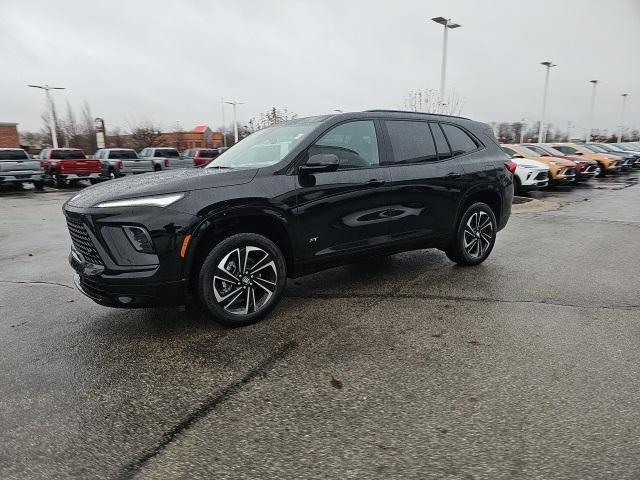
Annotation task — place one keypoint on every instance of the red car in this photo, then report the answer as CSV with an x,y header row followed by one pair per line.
x,y
585,168
64,166
201,156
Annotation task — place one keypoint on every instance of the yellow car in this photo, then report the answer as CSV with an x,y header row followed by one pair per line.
x,y
561,170
608,163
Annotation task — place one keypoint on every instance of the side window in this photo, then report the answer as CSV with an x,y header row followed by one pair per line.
x,y
411,142
354,143
143,153
459,140
441,142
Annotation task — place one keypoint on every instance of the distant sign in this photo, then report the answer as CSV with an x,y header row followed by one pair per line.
x,y
100,131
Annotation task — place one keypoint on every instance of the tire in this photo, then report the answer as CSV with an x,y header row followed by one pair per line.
x,y
112,174
517,185
475,236
39,185
603,171
157,168
58,181
94,181
242,299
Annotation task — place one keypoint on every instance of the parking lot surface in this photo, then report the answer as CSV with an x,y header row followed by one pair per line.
x,y
408,366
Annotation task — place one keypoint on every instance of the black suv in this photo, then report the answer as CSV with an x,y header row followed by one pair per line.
x,y
292,199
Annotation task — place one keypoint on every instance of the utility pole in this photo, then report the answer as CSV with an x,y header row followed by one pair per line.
x,y
624,101
52,118
235,118
447,23
541,132
522,125
593,102
224,125
569,127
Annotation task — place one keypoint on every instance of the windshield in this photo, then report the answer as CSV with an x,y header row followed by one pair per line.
x,y
67,155
13,155
264,147
552,151
527,152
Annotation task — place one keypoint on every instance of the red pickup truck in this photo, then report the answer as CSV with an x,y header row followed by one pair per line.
x,y
64,166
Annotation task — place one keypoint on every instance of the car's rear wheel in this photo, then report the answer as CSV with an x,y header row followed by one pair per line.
x,y
39,185
242,279
475,236
58,181
517,185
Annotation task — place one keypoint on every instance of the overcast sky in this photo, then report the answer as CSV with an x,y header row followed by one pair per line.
x,y
172,61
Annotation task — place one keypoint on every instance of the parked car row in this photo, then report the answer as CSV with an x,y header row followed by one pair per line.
x,y
66,166
542,164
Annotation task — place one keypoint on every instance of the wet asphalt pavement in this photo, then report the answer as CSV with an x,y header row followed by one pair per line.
x,y
524,367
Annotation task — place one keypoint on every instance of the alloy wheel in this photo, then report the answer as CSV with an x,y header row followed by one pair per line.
x,y
245,280
478,234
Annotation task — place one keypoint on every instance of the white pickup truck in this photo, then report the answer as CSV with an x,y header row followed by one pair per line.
x,y
16,166
165,158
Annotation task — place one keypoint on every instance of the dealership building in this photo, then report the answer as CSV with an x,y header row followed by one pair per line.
x,y
9,135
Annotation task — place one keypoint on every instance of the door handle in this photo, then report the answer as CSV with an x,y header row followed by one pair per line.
x,y
376,182
454,175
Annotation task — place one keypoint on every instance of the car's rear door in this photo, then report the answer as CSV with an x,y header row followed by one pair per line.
x,y
344,212
427,180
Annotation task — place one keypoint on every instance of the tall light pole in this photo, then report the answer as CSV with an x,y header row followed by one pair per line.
x,y
52,118
624,102
593,102
541,132
224,125
235,118
447,24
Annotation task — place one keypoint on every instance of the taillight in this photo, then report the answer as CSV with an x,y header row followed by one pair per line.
x,y
166,162
120,164
61,166
511,166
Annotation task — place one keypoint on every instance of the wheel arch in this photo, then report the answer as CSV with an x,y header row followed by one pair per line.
x,y
488,194
265,221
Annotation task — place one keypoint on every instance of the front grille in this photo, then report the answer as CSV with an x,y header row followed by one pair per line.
x,y
542,176
91,288
590,169
82,242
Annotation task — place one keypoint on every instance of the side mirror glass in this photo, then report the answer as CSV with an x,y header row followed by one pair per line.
x,y
321,162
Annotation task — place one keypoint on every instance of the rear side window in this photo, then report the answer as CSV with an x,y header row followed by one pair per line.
x,y
411,142
354,143
441,142
13,155
122,154
208,153
167,152
459,140
67,155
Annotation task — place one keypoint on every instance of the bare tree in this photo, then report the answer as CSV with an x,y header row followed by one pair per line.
x,y
272,116
145,134
428,101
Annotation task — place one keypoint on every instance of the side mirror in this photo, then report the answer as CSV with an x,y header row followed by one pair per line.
x,y
516,155
578,153
321,162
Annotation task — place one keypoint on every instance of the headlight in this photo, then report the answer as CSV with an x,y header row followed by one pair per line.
x,y
156,201
553,162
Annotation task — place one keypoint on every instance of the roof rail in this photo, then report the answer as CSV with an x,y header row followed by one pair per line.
x,y
382,110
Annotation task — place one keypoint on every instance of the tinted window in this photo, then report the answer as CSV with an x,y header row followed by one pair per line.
x,y
67,154
167,152
354,143
441,142
411,142
118,154
13,155
208,153
459,140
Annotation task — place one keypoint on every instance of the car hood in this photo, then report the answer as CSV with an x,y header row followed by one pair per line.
x,y
527,163
561,162
578,158
159,183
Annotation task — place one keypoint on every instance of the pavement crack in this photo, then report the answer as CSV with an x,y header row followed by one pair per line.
x,y
393,296
17,282
210,404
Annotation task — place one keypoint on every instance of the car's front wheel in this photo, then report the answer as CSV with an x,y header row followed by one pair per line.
x,y
242,279
475,236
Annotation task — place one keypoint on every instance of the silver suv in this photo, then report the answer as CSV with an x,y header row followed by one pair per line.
x,y
166,158
117,162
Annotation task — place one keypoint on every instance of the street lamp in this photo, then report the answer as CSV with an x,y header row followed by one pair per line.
x,y
541,132
447,24
224,125
235,119
52,118
624,101
593,102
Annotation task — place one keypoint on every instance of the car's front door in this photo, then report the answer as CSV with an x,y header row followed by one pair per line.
x,y
427,180
345,211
